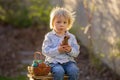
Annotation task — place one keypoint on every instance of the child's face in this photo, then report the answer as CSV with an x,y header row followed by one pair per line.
x,y
60,24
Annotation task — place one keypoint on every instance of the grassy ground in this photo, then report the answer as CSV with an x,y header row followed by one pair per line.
x,y
16,78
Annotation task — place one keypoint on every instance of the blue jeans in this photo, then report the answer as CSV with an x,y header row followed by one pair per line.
x,y
70,68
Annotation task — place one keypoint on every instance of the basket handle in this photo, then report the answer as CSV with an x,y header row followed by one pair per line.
x,y
41,56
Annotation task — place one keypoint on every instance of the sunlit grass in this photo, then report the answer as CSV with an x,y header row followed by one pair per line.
x,y
15,78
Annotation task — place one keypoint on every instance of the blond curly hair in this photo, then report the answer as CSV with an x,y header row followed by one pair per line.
x,y
58,11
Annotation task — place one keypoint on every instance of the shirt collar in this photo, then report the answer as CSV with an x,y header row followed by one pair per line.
x,y
53,31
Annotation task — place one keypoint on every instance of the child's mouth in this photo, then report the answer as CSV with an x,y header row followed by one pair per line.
x,y
61,29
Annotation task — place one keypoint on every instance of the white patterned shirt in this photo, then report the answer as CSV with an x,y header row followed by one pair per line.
x,y
50,48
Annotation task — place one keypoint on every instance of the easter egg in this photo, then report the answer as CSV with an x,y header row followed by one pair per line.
x,y
34,64
34,61
39,61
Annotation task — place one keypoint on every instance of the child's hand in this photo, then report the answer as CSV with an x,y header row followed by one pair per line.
x,y
61,49
67,48
64,48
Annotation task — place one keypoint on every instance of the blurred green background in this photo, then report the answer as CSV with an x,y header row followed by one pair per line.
x,y
24,13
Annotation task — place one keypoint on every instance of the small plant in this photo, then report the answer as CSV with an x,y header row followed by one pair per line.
x,y
95,62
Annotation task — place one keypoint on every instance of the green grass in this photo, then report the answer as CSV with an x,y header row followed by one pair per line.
x,y
15,78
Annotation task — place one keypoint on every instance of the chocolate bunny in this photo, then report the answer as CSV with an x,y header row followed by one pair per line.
x,y
65,40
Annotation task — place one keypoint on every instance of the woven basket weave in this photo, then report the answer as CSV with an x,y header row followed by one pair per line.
x,y
41,69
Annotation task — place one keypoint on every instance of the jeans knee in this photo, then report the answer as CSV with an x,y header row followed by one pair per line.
x,y
58,71
73,71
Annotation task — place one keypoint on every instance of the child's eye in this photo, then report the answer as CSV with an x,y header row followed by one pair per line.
x,y
65,22
58,21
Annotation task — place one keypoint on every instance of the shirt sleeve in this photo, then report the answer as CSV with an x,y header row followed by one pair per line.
x,y
47,48
75,48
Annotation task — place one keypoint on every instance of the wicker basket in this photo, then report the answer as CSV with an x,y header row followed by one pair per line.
x,y
39,68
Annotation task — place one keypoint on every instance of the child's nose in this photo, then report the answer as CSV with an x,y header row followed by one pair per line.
x,y
62,24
